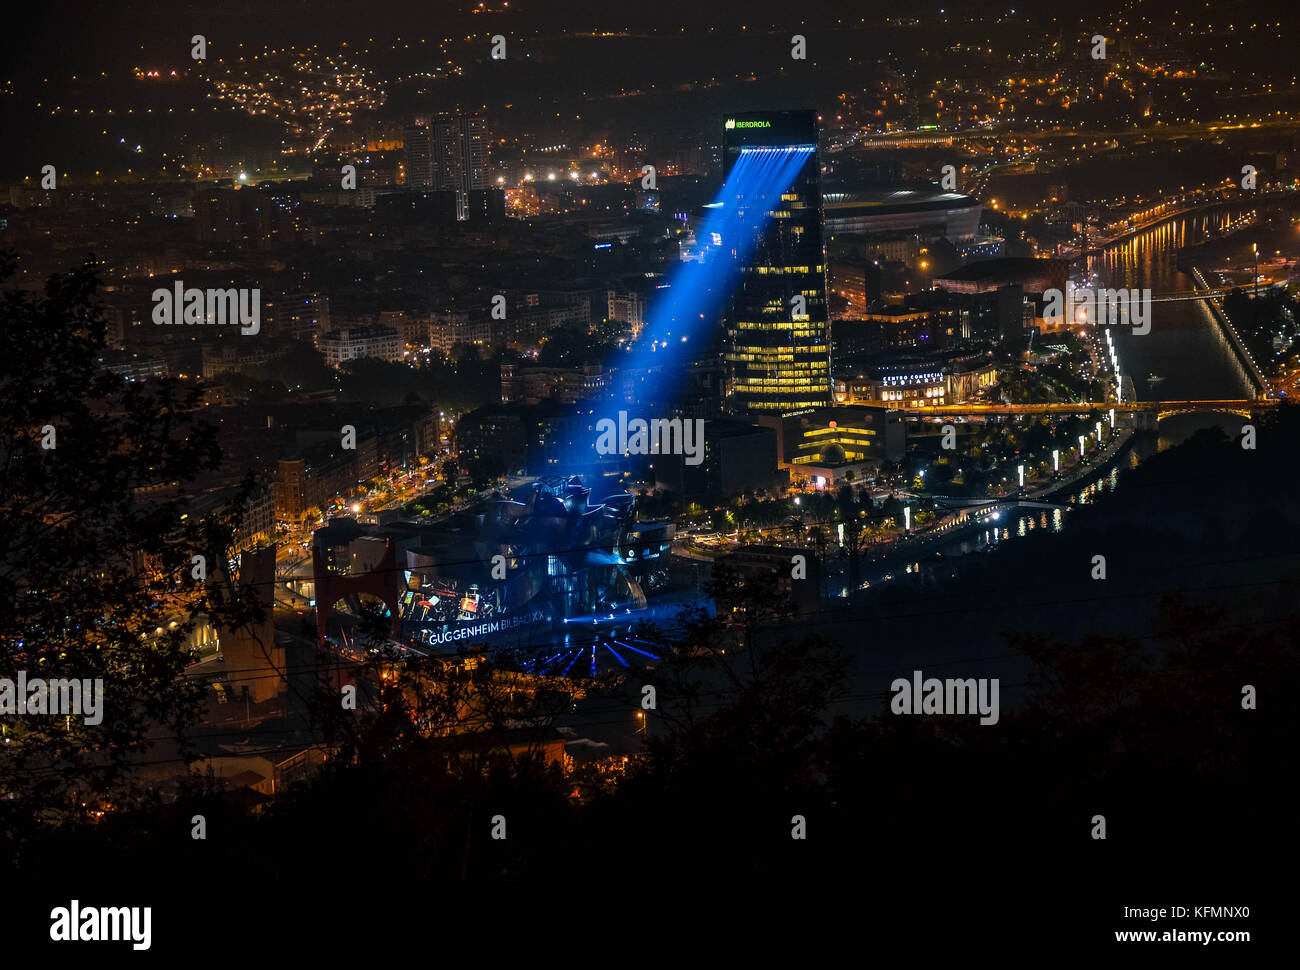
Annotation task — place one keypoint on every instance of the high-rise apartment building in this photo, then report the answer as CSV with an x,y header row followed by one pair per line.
x,y
460,158
419,157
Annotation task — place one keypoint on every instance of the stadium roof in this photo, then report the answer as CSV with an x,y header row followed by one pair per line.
x,y
888,201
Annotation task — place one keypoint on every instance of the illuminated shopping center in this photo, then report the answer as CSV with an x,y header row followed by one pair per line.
x,y
914,380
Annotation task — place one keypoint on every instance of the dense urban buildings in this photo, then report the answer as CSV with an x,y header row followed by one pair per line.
x,y
558,455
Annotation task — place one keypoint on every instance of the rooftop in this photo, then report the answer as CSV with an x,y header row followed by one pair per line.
x,y
892,200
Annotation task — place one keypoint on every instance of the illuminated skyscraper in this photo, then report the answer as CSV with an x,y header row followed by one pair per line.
x,y
776,323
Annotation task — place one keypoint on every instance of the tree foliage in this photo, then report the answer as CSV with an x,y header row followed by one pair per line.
x,y
96,551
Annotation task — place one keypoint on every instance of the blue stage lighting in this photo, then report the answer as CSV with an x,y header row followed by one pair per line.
x,y
697,290
686,313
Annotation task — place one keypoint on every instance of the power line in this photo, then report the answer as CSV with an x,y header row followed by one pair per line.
x,y
845,614
725,695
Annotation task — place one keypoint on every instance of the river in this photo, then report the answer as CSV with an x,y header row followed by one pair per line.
x,y
1184,346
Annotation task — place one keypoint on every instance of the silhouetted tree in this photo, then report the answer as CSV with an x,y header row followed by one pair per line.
x,y
96,552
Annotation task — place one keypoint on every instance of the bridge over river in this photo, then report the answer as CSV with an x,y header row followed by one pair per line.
x,y
1145,414
1201,363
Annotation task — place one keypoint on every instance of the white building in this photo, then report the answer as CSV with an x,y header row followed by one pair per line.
x,y
384,343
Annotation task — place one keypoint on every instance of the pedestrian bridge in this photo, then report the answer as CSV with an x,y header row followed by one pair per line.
x,y
983,504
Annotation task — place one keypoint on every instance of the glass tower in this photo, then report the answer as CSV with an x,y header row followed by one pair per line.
x,y
777,334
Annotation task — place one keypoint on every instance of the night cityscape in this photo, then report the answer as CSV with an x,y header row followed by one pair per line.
x,y
741,472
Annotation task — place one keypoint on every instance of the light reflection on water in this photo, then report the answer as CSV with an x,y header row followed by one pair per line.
x,y
1172,432
1102,486
1030,520
1184,346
